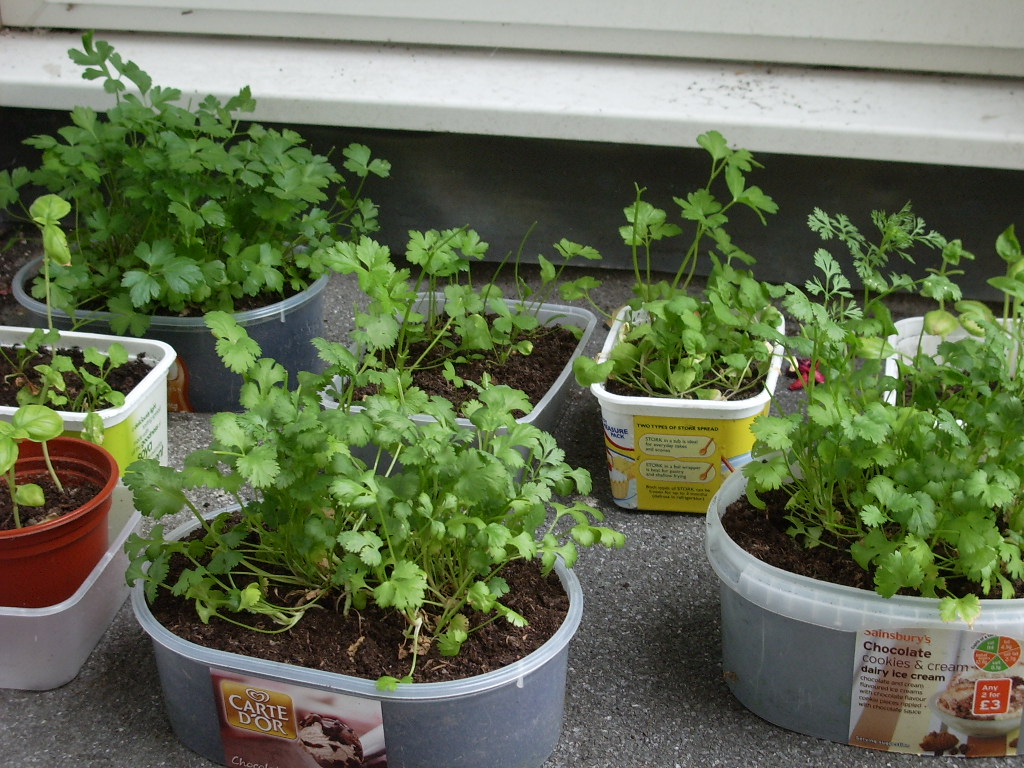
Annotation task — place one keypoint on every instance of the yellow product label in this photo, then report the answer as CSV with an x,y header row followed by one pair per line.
x,y
269,713
677,464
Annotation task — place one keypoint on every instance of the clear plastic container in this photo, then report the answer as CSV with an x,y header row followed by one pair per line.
x,y
45,648
789,641
509,718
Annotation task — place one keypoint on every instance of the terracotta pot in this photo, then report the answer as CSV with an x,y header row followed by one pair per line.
x,y
44,564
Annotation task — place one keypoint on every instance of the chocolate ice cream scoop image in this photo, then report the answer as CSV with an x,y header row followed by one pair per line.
x,y
330,741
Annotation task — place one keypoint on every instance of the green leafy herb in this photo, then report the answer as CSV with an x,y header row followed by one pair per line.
x,y
909,461
713,346
362,506
182,209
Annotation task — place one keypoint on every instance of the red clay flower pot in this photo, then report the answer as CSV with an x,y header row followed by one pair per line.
x,y
44,564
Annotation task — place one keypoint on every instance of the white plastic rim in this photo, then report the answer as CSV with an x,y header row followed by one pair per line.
x,y
644,405
160,353
119,530
359,686
833,606
911,336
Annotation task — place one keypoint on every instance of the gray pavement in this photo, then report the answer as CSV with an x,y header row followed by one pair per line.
x,y
645,683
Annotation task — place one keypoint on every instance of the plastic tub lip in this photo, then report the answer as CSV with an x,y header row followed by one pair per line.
x,y
281,307
712,408
817,602
360,686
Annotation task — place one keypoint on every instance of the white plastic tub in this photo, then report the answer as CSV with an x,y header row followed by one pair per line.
x,y
44,648
135,430
672,454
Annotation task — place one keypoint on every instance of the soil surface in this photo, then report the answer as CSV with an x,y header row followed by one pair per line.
x,y
762,533
57,503
371,643
14,375
534,374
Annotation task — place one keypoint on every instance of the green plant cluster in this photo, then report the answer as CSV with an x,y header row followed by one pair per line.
x,y
353,507
716,344
179,209
38,424
434,313
910,453
43,373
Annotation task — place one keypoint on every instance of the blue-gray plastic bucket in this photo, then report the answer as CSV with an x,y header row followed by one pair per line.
x,y
201,383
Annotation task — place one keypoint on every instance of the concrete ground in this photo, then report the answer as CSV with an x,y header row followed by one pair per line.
x,y
645,683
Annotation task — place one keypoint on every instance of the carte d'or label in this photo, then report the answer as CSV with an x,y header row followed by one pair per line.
x,y
269,713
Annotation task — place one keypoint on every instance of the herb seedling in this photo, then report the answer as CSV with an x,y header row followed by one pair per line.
x,y
352,507
182,209
38,424
714,346
434,313
50,382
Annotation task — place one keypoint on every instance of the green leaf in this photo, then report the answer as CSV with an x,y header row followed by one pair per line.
x,y
966,609
588,371
37,423
29,494
404,589
234,345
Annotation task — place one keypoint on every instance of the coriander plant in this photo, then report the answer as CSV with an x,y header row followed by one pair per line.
x,y
435,313
422,527
917,477
715,345
181,208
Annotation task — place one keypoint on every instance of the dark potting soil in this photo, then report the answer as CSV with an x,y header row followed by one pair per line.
x,y
57,504
123,378
762,533
534,374
370,643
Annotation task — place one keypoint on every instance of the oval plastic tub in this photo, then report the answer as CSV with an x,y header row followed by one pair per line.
x,y
45,648
509,718
789,642
199,381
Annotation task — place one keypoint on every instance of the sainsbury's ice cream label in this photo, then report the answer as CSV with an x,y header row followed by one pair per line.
x,y
673,464
937,691
277,725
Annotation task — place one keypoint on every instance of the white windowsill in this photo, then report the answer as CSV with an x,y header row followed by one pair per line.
x,y
946,120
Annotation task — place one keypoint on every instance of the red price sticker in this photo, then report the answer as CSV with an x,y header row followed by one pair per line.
x,y
992,697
